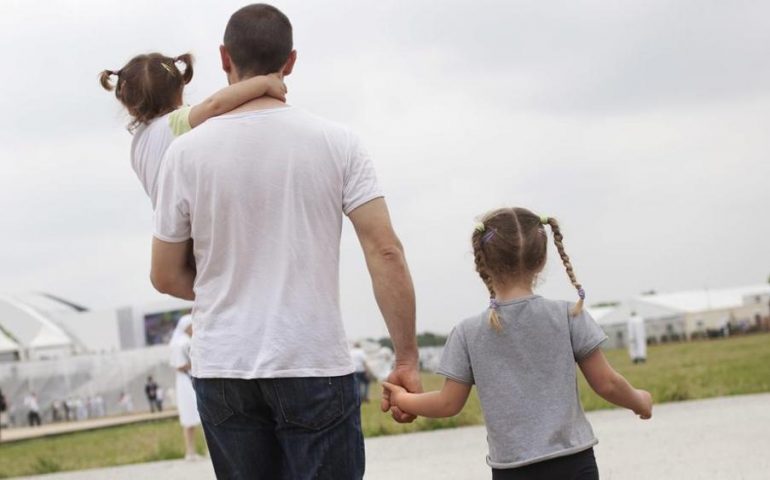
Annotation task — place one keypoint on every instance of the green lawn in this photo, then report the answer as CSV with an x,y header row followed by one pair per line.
x,y
673,372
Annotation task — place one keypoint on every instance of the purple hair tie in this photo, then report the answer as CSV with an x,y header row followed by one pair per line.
x,y
581,293
487,236
493,304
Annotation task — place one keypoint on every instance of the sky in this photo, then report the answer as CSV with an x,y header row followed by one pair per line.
x,y
643,127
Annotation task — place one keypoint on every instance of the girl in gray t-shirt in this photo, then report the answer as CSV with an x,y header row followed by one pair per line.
x,y
521,354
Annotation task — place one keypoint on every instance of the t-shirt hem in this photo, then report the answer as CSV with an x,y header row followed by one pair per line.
x,y
363,200
456,378
168,239
542,458
295,372
593,348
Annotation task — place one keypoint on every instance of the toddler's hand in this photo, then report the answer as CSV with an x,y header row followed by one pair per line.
x,y
644,410
275,87
391,392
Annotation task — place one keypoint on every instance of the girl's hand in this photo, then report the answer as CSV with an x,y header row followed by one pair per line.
x,y
644,410
391,393
275,87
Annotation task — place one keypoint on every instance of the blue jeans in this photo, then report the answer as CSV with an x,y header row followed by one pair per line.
x,y
282,428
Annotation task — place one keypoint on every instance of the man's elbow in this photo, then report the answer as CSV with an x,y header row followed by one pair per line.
x,y
160,282
390,252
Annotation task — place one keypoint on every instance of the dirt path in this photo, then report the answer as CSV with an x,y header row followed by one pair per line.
x,y
716,439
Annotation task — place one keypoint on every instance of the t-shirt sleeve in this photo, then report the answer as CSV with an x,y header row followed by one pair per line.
x,y
360,180
172,212
455,359
586,335
179,121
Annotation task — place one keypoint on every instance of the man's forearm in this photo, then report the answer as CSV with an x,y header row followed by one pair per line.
x,y
180,285
394,292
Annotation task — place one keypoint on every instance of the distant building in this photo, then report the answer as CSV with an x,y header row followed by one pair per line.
x,y
687,314
38,326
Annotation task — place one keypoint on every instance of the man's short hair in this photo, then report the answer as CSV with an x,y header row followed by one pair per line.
x,y
258,38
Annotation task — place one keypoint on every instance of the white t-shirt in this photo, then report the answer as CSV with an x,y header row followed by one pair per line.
x,y
147,148
150,143
262,195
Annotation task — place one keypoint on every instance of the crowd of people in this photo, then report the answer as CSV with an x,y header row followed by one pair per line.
x,y
30,411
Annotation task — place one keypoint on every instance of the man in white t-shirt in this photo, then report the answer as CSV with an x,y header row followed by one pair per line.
x,y
262,193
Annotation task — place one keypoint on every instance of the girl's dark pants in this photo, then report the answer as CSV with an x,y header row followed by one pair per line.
x,y
578,466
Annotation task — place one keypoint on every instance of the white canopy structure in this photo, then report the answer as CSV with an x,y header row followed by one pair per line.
x,y
9,350
26,318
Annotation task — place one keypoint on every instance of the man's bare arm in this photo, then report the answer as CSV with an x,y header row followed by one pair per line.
x,y
391,281
393,291
171,272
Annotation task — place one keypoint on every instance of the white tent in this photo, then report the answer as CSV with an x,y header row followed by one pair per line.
x,y
704,300
26,319
9,350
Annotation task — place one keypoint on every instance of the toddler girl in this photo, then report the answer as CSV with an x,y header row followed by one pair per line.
x,y
521,355
151,87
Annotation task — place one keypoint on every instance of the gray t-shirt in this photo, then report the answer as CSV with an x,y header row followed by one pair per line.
x,y
526,378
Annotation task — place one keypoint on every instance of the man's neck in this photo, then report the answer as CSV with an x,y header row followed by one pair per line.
x,y
261,103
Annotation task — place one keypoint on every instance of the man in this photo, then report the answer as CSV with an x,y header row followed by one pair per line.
x,y
33,409
3,408
637,339
361,372
262,192
151,392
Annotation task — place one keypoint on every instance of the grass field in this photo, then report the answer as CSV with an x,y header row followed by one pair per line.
x,y
675,372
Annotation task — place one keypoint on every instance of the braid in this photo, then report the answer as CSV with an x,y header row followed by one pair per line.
x,y
481,268
558,241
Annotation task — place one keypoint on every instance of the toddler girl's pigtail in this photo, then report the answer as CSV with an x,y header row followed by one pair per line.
x,y
187,60
478,239
104,79
558,241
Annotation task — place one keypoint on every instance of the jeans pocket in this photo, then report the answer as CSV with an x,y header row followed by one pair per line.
x,y
212,403
311,402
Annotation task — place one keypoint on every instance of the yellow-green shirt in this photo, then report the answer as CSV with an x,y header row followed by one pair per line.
x,y
179,120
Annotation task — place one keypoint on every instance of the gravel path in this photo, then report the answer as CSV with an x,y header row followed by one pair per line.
x,y
715,439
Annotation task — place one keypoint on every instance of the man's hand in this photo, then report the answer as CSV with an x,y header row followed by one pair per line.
x,y
408,377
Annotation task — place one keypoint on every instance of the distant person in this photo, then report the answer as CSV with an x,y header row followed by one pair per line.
x,y
126,403
263,193
151,392
521,354
160,395
3,410
56,410
33,409
361,372
186,403
67,407
637,339
151,88
81,409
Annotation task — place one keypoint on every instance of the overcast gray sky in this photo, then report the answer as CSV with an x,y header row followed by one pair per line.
x,y
642,126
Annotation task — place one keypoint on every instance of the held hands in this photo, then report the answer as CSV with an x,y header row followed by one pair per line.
x,y
275,87
392,392
403,379
644,408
